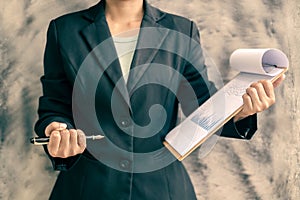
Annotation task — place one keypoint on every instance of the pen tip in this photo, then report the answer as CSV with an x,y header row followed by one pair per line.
x,y
31,140
98,137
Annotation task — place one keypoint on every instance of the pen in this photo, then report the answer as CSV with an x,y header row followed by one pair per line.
x,y
45,140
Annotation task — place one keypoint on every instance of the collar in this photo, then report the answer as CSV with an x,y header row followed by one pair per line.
x,y
97,12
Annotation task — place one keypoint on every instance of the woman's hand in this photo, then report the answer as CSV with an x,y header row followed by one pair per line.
x,y
64,143
258,97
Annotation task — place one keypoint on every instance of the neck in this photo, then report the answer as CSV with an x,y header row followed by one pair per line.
x,y
124,10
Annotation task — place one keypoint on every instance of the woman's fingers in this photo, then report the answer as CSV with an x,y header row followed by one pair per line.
x,y
66,143
54,142
259,97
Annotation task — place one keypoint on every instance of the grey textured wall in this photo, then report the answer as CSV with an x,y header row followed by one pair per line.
x,y
267,167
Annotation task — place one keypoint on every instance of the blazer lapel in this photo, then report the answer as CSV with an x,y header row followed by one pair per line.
x,y
98,39
152,38
100,43
152,35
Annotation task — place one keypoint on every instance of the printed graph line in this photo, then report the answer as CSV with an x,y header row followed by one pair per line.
x,y
207,122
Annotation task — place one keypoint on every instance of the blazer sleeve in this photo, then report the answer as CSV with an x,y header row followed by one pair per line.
x,y
56,102
203,88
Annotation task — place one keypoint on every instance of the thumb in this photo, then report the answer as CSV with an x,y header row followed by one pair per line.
x,y
81,139
279,81
55,126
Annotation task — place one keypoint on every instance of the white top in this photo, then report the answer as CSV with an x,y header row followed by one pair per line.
x,y
125,47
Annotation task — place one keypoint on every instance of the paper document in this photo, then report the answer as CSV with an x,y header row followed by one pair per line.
x,y
255,65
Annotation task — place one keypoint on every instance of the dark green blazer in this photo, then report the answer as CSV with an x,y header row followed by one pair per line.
x,y
167,70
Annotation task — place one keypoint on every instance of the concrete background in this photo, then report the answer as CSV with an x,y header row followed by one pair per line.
x,y
267,167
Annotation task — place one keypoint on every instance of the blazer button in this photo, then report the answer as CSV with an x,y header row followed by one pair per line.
x,y
125,123
124,164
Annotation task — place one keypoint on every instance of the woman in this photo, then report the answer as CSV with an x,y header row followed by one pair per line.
x,y
123,101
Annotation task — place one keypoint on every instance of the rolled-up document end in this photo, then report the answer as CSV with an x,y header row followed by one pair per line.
x,y
259,61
